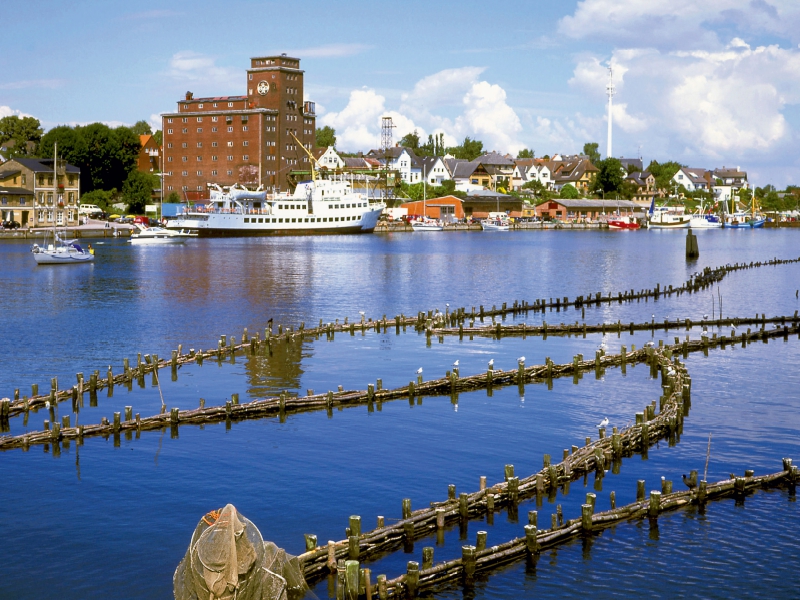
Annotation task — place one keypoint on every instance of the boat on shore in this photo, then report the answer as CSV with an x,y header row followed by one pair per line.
x,y
619,222
496,221
158,236
426,224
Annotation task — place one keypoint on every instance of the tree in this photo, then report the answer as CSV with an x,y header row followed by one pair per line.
x,y
105,156
158,137
526,153
590,149
410,140
664,172
173,198
138,190
20,130
609,176
468,150
570,192
141,128
326,137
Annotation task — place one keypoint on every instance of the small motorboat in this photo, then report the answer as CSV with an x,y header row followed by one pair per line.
x,y
626,222
157,236
426,224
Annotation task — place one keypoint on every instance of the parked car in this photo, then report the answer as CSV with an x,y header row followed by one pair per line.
x,y
10,225
89,210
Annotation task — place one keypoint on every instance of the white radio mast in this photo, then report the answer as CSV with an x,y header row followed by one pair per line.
x,y
610,92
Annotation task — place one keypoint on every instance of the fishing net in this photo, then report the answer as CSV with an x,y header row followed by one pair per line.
x,y
228,559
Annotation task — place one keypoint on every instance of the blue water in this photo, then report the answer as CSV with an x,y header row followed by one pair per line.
x,y
95,518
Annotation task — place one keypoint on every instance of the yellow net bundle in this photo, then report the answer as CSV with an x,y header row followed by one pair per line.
x,y
228,559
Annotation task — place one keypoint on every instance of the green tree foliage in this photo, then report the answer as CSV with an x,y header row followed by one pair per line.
x,y
590,149
173,198
664,172
541,193
326,136
105,156
468,150
138,190
142,128
410,140
526,153
609,177
102,198
570,192
21,130
158,137
415,191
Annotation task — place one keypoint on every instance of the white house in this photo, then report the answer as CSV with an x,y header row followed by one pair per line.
x,y
691,179
434,170
328,157
402,160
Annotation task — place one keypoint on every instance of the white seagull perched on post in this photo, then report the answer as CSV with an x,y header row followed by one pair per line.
x,y
419,371
603,423
649,344
491,362
521,359
455,364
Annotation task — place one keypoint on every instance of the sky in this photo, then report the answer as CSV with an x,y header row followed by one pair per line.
x,y
708,84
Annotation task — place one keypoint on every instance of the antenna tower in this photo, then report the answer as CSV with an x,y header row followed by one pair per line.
x,y
386,144
610,92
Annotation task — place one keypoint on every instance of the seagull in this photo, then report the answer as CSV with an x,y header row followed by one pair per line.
x,y
705,317
689,483
653,316
447,304
649,344
521,359
455,364
491,363
47,404
603,423
419,371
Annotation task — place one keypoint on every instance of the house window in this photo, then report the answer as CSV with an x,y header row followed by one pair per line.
x,y
184,130
245,143
169,130
213,173
184,173
169,145
185,120
184,145
25,178
199,130
169,159
199,158
169,120
244,128
213,158
199,172
22,201
213,144
199,106
230,129
230,157
200,119
213,119
184,159
246,157
199,144
230,104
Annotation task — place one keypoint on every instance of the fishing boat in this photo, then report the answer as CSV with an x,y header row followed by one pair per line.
x,y
158,236
318,206
743,220
619,222
60,251
663,217
705,220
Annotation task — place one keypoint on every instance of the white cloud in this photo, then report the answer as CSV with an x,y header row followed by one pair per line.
x,y
478,109
7,111
190,67
671,24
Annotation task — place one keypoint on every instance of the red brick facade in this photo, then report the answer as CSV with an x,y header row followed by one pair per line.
x,y
149,155
240,139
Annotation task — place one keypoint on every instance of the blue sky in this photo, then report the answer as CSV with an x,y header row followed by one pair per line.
x,y
708,83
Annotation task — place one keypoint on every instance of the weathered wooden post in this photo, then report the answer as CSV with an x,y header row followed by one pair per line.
x,y
311,542
480,542
351,568
531,540
427,557
586,517
468,561
655,505
692,249
412,578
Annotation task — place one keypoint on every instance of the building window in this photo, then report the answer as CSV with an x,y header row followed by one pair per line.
x,y
213,173
213,144
246,157
215,105
169,130
169,120
184,173
169,145
184,159
184,145
230,172
245,118
213,158
230,104
230,144
185,119
245,143
199,158
244,128
213,119
230,129
200,119
22,201
199,144
169,159
250,77
199,130
185,130
230,157
199,172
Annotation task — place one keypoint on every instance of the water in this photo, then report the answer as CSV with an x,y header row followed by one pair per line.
x,y
96,517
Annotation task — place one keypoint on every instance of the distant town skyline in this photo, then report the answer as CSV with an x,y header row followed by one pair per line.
x,y
708,86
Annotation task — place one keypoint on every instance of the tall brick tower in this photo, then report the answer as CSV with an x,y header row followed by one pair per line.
x,y
240,139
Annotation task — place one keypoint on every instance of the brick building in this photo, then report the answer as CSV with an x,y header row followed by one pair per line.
x,y
149,155
240,139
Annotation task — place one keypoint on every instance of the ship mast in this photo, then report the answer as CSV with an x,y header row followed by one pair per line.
x,y
610,92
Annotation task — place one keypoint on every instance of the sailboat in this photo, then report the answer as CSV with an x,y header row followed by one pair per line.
x,y
425,223
60,251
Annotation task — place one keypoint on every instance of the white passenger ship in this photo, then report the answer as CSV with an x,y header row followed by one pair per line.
x,y
320,206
